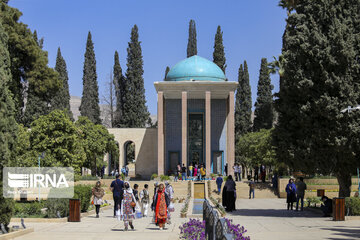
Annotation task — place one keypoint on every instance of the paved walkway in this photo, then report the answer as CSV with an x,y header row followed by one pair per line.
x,y
105,227
263,218
268,219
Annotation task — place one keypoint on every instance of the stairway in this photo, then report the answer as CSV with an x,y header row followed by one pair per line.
x,y
262,190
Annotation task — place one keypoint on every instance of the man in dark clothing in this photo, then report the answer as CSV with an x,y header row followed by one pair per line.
x,y
183,172
300,193
326,207
117,188
219,181
256,173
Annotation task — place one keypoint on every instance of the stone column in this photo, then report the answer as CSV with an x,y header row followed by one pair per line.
x,y
184,128
160,133
230,134
208,132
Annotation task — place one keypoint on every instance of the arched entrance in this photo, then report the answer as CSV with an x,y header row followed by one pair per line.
x,y
129,157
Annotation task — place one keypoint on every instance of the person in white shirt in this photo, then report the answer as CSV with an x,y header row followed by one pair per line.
x,y
145,199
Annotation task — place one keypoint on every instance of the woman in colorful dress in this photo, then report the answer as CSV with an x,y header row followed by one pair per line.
x,y
98,194
127,211
161,203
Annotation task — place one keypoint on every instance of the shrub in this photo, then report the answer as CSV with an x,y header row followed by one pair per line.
x,y
88,177
6,209
193,229
28,209
164,178
352,206
83,192
153,176
313,201
55,205
108,177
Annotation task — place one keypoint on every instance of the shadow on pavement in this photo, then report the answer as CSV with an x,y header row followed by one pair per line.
x,y
274,213
343,231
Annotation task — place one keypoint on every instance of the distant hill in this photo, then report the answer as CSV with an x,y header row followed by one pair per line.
x,y
104,111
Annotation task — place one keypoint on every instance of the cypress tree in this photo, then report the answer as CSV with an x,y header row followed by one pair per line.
x,y
321,72
89,106
135,112
243,103
192,44
119,82
61,99
166,72
28,66
219,53
7,124
264,113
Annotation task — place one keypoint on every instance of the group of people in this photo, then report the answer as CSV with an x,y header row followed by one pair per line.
x,y
193,172
295,193
130,204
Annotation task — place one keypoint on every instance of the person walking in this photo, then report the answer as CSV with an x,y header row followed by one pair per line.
x,y
176,174
226,169
256,173
203,172
128,203
219,181
162,201
116,187
291,194
145,199
183,172
263,173
229,191
98,194
136,192
300,193
251,188
196,170
170,192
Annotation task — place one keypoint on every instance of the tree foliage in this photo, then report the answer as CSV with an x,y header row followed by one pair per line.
x,y
192,42
264,113
219,53
8,126
120,87
89,106
96,141
321,72
135,112
61,99
28,67
255,148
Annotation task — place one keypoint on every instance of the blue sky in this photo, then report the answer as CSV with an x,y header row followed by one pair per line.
x,y
252,29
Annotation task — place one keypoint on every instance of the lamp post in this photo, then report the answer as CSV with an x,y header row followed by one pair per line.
x,y
42,155
348,110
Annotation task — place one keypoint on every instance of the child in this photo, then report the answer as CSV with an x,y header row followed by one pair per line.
x,y
145,199
219,181
252,188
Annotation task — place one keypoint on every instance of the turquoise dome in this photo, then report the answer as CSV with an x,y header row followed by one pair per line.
x,y
195,68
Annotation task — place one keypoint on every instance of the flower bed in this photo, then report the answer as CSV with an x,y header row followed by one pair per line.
x,y
194,229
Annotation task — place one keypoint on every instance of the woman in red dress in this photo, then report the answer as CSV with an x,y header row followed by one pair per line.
x,y
161,203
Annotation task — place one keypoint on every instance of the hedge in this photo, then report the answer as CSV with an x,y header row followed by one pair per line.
x,y
352,206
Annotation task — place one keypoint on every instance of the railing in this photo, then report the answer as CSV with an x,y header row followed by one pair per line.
x,y
215,228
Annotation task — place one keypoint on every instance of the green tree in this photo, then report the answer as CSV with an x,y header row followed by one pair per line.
x,y
96,141
23,154
264,113
255,148
166,72
321,76
28,67
135,112
89,106
56,135
61,99
219,53
192,43
8,126
120,84
243,104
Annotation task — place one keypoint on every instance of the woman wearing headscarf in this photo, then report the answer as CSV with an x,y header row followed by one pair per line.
x,y
161,203
230,192
291,194
98,194
128,203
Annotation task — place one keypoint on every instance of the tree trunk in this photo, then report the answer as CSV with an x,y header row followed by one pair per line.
x,y
344,180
